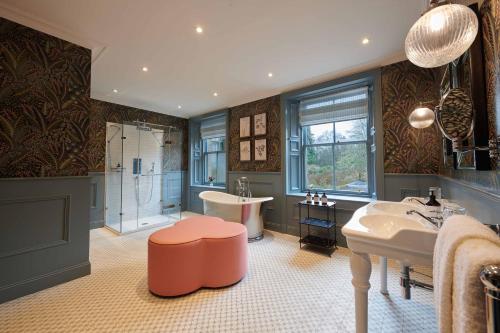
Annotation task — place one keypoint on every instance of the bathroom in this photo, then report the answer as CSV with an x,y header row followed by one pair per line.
x,y
111,139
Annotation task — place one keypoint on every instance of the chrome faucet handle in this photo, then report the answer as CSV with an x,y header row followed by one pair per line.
x,y
415,199
434,220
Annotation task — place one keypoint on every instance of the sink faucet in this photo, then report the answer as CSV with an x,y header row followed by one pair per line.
x,y
435,221
415,199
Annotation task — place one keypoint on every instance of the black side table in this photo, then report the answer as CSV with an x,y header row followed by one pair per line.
x,y
329,243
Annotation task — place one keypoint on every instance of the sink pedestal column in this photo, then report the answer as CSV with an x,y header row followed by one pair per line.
x,y
361,268
383,276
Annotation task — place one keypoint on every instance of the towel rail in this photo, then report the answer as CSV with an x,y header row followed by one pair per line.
x,y
490,277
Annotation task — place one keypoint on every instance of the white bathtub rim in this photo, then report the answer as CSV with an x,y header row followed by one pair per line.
x,y
205,195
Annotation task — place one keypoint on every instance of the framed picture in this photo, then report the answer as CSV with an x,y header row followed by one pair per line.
x,y
244,151
244,127
260,150
259,124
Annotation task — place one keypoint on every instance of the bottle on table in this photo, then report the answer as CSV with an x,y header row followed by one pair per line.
x,y
308,197
316,198
324,199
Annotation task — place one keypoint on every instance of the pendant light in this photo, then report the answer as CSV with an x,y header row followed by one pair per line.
x,y
421,117
441,35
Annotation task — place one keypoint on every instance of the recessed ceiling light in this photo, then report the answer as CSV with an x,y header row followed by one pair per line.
x,y
199,30
179,106
216,94
365,41
145,69
270,74
115,91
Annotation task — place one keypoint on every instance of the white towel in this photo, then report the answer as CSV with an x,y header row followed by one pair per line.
x,y
469,315
455,231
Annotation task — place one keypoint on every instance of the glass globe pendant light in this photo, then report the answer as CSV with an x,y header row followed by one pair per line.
x,y
441,35
421,117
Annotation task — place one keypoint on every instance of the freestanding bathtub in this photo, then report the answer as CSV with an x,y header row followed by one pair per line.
x,y
235,209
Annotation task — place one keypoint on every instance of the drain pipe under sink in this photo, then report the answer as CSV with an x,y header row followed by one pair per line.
x,y
406,283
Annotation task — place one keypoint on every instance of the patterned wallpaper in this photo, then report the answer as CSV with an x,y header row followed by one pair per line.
x,y
102,112
490,19
49,126
406,149
44,104
270,106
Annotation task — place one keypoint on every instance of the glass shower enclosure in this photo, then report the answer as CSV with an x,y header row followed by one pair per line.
x,y
143,176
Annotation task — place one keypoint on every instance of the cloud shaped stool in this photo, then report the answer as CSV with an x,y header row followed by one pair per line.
x,y
200,251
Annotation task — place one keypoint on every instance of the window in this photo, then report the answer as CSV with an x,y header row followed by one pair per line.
x,y
335,156
214,160
335,143
210,156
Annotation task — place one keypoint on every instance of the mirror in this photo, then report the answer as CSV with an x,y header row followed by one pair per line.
x,y
455,116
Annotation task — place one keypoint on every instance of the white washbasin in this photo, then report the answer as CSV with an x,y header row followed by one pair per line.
x,y
383,228
393,207
388,225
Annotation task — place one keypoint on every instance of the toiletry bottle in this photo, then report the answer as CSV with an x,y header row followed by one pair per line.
x,y
324,199
432,200
308,197
316,198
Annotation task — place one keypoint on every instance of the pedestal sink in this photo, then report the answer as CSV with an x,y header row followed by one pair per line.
x,y
383,228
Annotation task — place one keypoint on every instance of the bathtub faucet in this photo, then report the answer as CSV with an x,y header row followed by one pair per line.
x,y
243,189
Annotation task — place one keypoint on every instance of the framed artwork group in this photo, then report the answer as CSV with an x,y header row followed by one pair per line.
x,y
260,145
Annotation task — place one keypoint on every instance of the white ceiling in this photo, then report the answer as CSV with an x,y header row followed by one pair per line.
x,y
301,42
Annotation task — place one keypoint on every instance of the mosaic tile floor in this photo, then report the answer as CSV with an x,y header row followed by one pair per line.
x,y
286,290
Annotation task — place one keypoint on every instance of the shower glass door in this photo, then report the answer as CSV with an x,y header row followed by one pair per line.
x,y
131,178
159,190
150,184
113,175
172,180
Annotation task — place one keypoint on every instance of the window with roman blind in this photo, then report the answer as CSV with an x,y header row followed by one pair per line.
x,y
213,137
330,137
335,147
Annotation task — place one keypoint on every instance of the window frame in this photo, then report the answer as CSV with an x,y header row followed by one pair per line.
x,y
204,158
292,139
333,144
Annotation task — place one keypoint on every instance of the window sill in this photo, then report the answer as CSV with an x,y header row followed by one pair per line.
x,y
335,197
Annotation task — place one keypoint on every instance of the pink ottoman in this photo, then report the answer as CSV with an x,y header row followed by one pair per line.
x,y
197,252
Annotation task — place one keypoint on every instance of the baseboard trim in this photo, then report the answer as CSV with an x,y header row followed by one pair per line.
x,y
96,224
44,281
272,226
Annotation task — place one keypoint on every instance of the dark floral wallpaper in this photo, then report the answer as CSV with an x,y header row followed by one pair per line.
x,y
102,112
490,20
407,149
270,106
44,104
49,126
